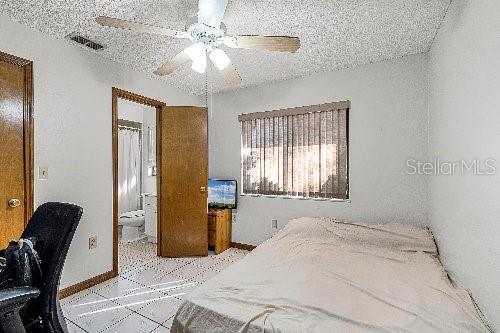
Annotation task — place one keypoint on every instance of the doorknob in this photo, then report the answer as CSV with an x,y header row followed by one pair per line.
x,y
13,203
203,189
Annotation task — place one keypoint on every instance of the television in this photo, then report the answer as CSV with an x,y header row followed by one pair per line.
x,y
222,193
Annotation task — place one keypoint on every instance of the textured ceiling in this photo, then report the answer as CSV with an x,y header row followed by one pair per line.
x,y
334,34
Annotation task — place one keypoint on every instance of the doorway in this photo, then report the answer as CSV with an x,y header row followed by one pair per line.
x,y
16,146
175,153
134,120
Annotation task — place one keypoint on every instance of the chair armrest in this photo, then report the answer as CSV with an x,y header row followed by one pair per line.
x,y
12,296
11,301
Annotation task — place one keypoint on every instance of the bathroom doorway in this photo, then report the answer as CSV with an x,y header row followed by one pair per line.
x,y
136,172
135,219
175,159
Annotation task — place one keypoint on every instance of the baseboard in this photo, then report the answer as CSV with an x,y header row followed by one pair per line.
x,y
68,291
243,246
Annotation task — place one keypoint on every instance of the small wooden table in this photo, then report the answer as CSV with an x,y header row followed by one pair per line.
x,y
219,229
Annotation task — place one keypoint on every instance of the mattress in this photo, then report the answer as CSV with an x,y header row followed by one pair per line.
x,y
319,275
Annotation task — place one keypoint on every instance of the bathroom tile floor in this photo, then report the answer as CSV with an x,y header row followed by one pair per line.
x,y
146,294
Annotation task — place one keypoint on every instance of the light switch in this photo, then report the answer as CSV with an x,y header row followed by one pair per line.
x,y
43,173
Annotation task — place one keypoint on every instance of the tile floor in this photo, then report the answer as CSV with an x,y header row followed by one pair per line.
x,y
146,294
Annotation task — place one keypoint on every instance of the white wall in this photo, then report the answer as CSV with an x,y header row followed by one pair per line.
x,y
72,90
148,182
465,124
388,125
131,111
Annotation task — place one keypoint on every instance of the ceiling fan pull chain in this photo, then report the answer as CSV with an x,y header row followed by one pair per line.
x,y
206,89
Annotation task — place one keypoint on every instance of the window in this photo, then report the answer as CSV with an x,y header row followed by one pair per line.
x,y
299,152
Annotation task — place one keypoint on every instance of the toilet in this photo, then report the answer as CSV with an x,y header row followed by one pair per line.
x,y
131,225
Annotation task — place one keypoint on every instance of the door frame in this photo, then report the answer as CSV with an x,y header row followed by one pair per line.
x,y
126,95
28,130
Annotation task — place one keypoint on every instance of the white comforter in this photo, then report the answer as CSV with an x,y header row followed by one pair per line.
x,y
317,275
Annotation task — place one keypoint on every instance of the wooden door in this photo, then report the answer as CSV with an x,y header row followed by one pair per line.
x,y
15,147
182,194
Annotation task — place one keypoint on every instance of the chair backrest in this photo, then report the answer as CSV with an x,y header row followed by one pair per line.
x,y
53,225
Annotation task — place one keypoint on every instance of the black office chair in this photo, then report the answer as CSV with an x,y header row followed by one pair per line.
x,y
28,309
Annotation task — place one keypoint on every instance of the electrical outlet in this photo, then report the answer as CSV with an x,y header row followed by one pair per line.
x,y
233,217
43,173
92,242
274,224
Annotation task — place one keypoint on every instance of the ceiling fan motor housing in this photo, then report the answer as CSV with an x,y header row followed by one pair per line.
x,y
211,37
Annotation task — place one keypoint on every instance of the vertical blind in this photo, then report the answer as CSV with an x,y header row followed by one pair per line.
x,y
299,152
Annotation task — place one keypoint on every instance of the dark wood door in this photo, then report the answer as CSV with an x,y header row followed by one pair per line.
x,y
183,181
15,147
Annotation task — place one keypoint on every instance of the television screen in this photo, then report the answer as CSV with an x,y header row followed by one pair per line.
x,y
222,193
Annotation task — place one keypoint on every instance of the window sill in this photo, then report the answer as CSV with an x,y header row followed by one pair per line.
x,y
293,198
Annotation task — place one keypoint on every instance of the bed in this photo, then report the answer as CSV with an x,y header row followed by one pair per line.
x,y
320,275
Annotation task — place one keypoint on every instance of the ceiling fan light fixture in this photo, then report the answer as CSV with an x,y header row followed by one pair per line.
x,y
197,53
199,66
219,59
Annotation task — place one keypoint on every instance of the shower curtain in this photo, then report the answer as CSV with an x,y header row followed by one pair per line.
x,y
129,170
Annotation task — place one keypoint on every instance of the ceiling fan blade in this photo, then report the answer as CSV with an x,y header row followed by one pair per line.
x,y
211,12
270,43
139,27
231,75
179,59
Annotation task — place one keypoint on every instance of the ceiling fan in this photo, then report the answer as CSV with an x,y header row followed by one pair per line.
x,y
207,34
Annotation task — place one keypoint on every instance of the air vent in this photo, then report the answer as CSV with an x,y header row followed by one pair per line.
x,y
85,41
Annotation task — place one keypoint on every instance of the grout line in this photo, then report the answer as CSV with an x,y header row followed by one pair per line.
x,y
71,321
136,311
163,324
107,327
155,328
119,321
154,321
